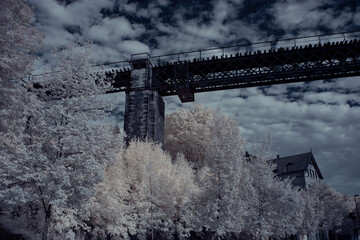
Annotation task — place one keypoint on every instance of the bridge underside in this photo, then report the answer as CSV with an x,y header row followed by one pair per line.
x,y
145,84
297,64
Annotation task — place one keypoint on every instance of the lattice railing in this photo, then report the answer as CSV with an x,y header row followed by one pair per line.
x,y
276,64
285,65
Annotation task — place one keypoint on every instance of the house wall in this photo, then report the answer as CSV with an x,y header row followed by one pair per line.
x,y
310,176
298,178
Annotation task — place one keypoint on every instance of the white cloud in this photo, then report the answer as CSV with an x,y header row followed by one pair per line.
x,y
106,54
53,18
163,3
222,11
114,30
128,7
357,16
330,97
56,37
82,13
293,15
51,10
132,47
350,83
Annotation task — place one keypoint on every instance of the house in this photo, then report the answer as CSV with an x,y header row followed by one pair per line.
x,y
301,167
304,171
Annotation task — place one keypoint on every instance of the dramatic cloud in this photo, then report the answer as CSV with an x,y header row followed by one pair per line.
x,y
322,115
307,16
114,30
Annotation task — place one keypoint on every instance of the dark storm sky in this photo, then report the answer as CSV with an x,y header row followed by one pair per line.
x,y
322,115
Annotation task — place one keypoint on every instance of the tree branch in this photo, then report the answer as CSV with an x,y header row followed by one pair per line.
x,y
19,183
74,153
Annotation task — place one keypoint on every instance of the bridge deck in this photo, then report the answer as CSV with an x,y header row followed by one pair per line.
x,y
257,68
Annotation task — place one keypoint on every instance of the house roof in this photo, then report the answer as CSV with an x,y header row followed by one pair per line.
x,y
296,163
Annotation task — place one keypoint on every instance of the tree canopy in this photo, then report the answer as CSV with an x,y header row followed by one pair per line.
x,y
62,174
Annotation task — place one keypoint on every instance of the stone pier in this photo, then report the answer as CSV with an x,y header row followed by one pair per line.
x,y
144,108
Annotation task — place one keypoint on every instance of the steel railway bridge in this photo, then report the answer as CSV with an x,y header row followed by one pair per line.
x,y
147,79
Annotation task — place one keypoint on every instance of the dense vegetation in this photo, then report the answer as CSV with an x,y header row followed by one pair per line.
x,y
63,175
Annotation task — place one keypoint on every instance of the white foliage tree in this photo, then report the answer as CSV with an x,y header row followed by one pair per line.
x,y
212,142
331,207
144,193
18,39
189,132
112,211
221,200
275,205
313,211
324,209
287,208
18,43
65,154
159,187
68,223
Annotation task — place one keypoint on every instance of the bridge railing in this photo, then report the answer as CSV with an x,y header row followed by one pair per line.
x,y
249,48
223,52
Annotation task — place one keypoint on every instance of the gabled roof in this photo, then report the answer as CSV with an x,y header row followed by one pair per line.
x,y
296,163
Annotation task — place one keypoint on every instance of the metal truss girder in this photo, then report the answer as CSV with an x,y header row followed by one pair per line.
x,y
273,67
248,79
278,78
271,80
213,74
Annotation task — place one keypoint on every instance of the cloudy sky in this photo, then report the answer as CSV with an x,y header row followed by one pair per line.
x,y
323,116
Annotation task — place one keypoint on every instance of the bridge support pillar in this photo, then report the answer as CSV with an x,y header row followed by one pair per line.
x,y
144,107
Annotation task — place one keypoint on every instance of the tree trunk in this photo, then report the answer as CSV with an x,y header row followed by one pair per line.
x,y
219,197
46,223
176,222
